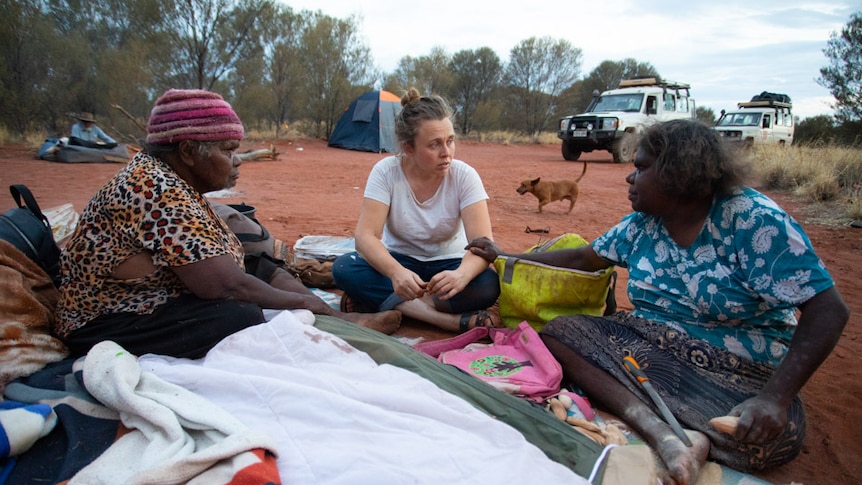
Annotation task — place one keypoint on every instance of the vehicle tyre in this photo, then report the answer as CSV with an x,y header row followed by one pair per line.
x,y
569,152
624,149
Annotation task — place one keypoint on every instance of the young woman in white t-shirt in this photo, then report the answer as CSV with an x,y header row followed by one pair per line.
x,y
420,209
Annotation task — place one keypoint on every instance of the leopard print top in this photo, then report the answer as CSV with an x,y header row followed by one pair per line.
x,y
146,207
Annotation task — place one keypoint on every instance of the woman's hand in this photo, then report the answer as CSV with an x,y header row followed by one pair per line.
x,y
484,248
761,419
764,416
446,284
407,284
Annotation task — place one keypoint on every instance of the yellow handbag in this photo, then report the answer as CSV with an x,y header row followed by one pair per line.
x,y
537,292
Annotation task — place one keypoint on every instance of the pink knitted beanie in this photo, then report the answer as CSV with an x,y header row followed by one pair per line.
x,y
192,114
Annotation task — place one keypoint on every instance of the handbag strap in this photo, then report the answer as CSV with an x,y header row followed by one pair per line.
x,y
20,191
611,299
509,270
435,347
248,237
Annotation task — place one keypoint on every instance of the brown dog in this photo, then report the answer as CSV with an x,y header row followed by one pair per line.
x,y
552,191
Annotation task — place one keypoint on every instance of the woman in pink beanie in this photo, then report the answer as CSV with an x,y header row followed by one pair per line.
x,y
152,266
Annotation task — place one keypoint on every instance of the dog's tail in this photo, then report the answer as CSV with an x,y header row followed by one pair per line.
x,y
582,173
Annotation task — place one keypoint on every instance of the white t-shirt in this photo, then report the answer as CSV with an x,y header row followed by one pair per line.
x,y
430,230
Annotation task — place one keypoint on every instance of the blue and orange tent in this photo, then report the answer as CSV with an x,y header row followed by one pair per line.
x,y
368,124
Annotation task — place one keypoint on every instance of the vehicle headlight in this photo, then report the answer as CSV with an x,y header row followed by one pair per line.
x,y
589,127
610,124
564,124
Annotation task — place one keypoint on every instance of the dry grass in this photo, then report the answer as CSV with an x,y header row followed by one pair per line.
x,y
32,140
511,138
828,178
288,133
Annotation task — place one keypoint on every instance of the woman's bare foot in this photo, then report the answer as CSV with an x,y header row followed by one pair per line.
x,y
384,322
682,463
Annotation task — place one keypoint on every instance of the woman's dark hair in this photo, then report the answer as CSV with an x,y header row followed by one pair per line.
x,y
414,110
158,150
692,160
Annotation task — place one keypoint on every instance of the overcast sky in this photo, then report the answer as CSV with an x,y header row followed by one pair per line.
x,y
727,51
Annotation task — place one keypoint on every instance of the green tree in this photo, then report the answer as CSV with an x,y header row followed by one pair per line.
x,y
428,74
335,63
849,133
572,100
208,38
268,85
539,69
707,115
402,77
100,58
815,129
843,75
433,71
476,75
285,75
608,75
125,67
24,33
253,100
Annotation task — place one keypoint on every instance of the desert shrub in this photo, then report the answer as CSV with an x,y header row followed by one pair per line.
x,y
502,137
32,139
511,137
817,172
854,202
784,168
547,138
35,139
259,134
308,129
821,188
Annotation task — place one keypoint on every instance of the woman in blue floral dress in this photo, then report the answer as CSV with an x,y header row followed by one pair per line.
x,y
732,309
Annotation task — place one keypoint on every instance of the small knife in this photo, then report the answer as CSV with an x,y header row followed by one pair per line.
x,y
632,366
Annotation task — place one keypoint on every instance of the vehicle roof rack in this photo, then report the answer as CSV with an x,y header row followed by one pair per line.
x,y
764,104
652,81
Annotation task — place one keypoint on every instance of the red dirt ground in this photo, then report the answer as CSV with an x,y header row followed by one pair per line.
x,y
315,190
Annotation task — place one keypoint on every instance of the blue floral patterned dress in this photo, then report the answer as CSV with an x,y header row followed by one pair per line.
x,y
737,286
710,322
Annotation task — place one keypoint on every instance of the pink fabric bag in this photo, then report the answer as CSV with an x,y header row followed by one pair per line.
x,y
517,361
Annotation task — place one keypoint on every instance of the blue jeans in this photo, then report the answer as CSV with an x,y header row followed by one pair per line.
x,y
371,289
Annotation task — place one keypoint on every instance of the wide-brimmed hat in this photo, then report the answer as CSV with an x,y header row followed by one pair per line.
x,y
85,116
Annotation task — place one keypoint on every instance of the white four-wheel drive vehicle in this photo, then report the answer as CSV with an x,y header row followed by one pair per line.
x,y
765,120
615,115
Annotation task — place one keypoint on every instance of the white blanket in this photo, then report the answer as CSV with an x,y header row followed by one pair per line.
x,y
175,435
338,417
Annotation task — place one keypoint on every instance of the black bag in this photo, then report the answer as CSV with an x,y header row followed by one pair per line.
x,y
28,229
767,96
259,244
73,140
